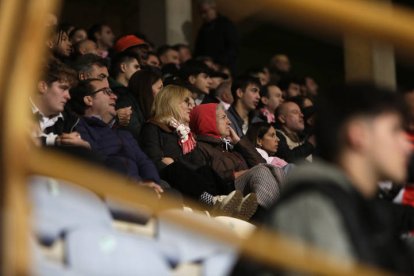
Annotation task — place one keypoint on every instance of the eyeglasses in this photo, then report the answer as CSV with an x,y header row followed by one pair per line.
x,y
106,90
189,102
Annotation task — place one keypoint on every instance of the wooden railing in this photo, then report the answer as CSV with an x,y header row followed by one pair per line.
x,y
23,33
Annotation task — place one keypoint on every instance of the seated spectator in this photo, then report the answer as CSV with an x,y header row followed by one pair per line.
x,y
132,44
95,102
93,67
60,45
263,136
246,95
103,36
184,52
292,146
259,73
77,35
152,60
290,87
223,94
56,124
168,55
84,47
308,110
331,204
197,77
309,87
235,160
169,142
123,66
279,67
270,99
142,88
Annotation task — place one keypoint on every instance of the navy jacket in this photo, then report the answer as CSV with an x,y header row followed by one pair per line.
x,y
119,148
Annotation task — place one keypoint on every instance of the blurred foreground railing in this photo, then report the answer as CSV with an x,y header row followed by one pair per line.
x,y
23,33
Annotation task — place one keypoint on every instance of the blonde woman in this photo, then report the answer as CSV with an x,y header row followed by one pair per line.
x,y
168,141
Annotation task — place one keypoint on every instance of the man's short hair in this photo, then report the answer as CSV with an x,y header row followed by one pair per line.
x,y
222,88
336,108
77,93
164,49
242,82
55,70
264,90
285,82
83,64
193,67
122,58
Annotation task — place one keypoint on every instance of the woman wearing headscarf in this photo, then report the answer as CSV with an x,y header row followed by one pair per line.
x,y
235,160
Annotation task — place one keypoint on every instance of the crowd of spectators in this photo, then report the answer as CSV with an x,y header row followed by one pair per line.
x,y
264,145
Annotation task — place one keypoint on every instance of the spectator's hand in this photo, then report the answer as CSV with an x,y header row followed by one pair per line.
x,y
167,160
157,188
124,115
233,136
72,139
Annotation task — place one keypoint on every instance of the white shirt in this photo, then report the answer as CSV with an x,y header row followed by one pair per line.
x,y
45,122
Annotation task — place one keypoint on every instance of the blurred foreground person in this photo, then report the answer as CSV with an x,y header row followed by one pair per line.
x,y
332,203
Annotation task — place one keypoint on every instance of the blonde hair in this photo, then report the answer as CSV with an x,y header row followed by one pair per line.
x,y
166,103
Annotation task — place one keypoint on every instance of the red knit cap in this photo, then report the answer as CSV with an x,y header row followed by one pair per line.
x,y
203,120
126,42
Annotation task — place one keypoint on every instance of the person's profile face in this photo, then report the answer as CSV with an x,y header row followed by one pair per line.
x,y
294,118
387,147
222,123
269,142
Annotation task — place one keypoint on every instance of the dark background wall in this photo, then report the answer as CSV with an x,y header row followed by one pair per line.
x,y
121,15
312,54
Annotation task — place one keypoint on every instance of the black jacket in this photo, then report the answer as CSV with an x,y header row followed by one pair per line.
x,y
159,141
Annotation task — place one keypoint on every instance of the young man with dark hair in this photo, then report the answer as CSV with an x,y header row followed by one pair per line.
x,y
168,55
123,66
132,44
152,60
332,203
56,124
271,97
60,45
197,76
246,97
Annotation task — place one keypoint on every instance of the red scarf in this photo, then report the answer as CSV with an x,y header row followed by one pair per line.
x,y
186,141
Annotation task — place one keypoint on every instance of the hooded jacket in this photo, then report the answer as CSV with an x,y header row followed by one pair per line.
x,y
224,159
321,206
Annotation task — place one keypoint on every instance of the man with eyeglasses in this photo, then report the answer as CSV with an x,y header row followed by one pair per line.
x,y
95,102
92,67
